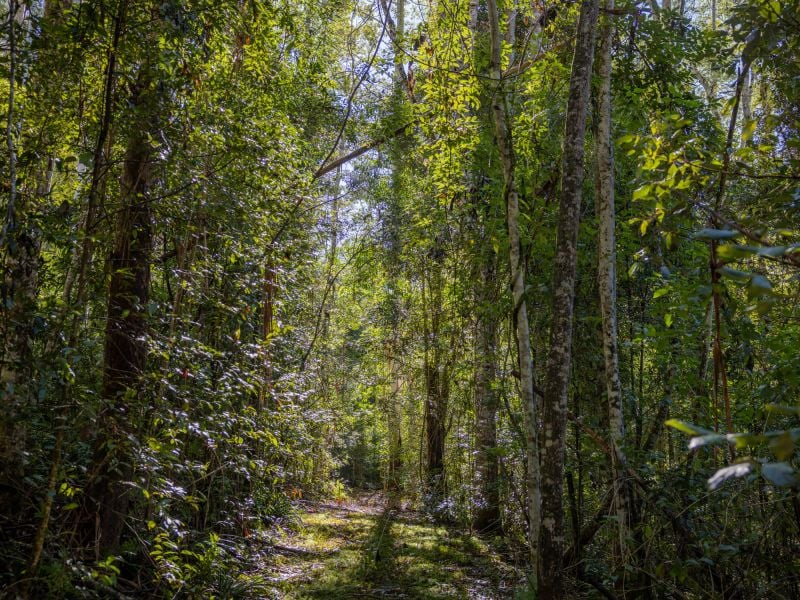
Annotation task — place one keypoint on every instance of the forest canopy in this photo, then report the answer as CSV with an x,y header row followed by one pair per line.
x,y
525,270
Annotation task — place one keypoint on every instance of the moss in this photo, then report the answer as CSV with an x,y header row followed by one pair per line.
x,y
342,553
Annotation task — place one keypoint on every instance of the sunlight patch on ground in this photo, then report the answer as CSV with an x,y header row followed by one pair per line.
x,y
351,553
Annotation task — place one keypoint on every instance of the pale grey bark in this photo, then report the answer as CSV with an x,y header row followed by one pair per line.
x,y
559,358
511,32
473,15
607,279
528,399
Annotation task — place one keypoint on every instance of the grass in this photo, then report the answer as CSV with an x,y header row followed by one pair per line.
x,y
355,553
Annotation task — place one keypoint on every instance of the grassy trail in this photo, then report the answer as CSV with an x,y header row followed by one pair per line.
x,y
365,550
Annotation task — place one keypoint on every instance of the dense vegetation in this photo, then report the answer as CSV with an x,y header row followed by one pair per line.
x,y
529,268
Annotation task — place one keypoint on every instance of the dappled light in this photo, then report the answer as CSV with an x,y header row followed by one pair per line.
x,y
403,299
357,550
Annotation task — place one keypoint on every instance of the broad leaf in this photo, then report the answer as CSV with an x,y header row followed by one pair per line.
x,y
780,473
716,234
721,476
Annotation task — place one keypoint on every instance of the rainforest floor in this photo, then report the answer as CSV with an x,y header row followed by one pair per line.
x,y
363,548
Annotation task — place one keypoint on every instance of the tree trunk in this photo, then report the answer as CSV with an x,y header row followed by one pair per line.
x,y
18,295
125,349
559,359
607,280
487,501
437,388
269,290
506,148
436,384
20,245
394,417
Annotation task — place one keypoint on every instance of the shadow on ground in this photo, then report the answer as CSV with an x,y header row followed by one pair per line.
x,y
357,552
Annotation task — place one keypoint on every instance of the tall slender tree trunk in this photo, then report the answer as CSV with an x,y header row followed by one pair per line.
x,y
125,349
506,147
487,501
437,388
18,294
269,290
607,280
16,345
486,515
394,416
559,358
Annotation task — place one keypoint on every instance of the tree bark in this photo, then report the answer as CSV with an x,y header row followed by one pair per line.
x,y
506,148
559,358
394,416
487,501
437,389
125,348
18,300
607,280
20,245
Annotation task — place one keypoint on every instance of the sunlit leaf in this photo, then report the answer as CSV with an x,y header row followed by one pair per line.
x,y
687,427
722,475
660,292
704,440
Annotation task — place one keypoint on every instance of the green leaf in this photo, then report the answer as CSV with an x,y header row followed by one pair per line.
x,y
740,276
783,446
660,292
783,410
748,129
772,251
730,252
716,234
780,473
704,440
761,283
668,319
643,192
687,427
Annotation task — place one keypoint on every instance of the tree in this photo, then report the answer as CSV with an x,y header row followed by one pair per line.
x,y
505,146
559,357
607,279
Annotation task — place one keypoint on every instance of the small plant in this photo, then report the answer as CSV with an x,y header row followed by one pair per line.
x,y
338,492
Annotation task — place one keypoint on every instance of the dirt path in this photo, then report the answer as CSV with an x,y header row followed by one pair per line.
x,y
363,550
